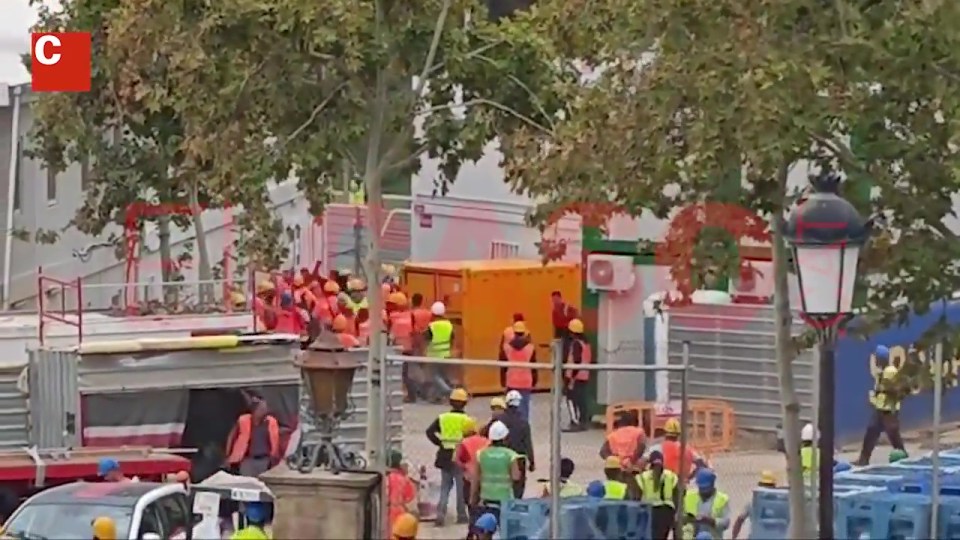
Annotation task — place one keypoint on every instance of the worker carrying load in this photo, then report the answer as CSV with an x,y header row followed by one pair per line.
x,y
627,441
670,449
705,509
519,351
885,399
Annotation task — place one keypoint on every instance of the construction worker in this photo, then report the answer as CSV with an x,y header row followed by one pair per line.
x,y
439,339
520,440
363,327
256,516
357,295
484,528
289,319
627,441
577,351
885,399
496,471
567,487
331,291
253,446
401,490
519,351
302,296
421,315
669,447
104,528
325,307
619,484
896,455
498,406
658,486
406,527
389,272
767,480
109,470
562,314
809,455
400,328
508,334
706,510
445,433
266,294
595,490
466,457
344,336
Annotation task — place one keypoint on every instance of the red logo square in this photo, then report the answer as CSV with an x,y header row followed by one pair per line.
x,y
60,61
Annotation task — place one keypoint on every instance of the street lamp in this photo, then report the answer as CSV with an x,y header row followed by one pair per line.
x,y
826,234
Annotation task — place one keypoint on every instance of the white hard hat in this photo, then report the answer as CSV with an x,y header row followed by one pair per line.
x,y
498,431
806,434
438,309
513,398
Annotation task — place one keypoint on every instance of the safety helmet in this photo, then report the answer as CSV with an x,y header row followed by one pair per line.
x,y
339,323
498,403
331,287
519,327
767,478
498,431
486,523
388,270
265,285
882,352
458,394
806,434
671,426
596,489
889,372
298,280
612,462
255,512
237,298
575,326
405,526
706,478
513,398
896,455
104,528
398,299
438,309
106,466
469,426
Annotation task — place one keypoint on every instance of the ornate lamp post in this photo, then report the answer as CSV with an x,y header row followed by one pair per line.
x,y
826,234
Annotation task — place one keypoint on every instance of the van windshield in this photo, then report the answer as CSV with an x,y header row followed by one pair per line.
x,y
40,521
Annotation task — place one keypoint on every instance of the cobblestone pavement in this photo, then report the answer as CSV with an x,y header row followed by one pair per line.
x,y
737,471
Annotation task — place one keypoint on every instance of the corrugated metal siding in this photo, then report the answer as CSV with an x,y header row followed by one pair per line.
x,y
340,236
733,352
54,399
13,409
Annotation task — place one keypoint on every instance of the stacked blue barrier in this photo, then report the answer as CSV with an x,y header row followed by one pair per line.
x,y
881,514
581,518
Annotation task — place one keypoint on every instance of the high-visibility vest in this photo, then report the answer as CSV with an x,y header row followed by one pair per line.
x,y
288,322
671,458
586,357
401,329
451,428
494,464
518,378
251,532
881,400
691,505
321,309
658,494
333,303
441,333
473,445
623,441
613,489
809,460
421,319
357,306
398,487
348,340
241,444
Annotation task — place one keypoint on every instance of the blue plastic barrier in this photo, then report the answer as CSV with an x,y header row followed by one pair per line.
x,y
581,519
770,511
877,514
861,480
946,460
948,525
923,485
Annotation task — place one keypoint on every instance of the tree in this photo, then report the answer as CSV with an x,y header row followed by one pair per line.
x,y
696,90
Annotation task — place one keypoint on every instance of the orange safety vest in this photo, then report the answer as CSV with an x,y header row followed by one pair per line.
x,y
519,379
241,444
473,445
421,320
399,489
671,458
623,441
401,329
586,357
348,340
302,293
322,311
288,322
333,304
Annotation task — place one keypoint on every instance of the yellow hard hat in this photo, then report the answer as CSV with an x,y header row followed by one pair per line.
x,y
398,299
498,403
767,478
889,372
104,528
405,526
469,426
355,285
264,286
331,287
612,462
519,327
237,298
672,426
458,394
575,326
339,323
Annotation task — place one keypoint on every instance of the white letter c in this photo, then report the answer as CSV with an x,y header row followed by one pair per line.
x,y
39,51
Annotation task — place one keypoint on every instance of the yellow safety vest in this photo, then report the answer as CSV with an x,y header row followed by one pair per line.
x,y
451,429
441,333
691,505
355,307
356,193
881,400
809,460
614,490
658,495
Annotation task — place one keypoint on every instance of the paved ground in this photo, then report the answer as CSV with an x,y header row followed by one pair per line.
x,y
738,471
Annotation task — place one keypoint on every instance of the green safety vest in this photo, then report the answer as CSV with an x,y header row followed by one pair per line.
x,y
661,495
252,532
355,307
441,332
691,505
355,196
809,460
881,400
495,463
451,428
570,489
614,490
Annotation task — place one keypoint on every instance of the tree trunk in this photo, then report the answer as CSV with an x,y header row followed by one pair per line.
x,y
204,271
166,262
788,392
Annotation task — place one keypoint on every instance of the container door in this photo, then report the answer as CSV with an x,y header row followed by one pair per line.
x,y
450,292
54,399
423,283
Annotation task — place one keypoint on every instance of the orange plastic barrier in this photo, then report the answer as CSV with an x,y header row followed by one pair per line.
x,y
710,428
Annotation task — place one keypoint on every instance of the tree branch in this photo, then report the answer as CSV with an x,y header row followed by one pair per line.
x,y
533,97
316,112
841,152
434,45
500,106
469,55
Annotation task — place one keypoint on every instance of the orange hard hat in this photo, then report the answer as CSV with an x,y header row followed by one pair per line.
x,y
297,280
331,287
339,323
398,299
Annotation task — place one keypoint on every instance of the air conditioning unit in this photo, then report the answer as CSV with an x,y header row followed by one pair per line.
x,y
610,273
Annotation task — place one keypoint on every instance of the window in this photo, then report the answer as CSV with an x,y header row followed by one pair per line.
x,y
174,515
504,250
51,186
151,522
39,520
18,168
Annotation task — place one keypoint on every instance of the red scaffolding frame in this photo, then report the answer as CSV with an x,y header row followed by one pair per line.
x,y
45,284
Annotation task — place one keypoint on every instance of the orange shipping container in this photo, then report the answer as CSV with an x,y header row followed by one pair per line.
x,y
481,298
